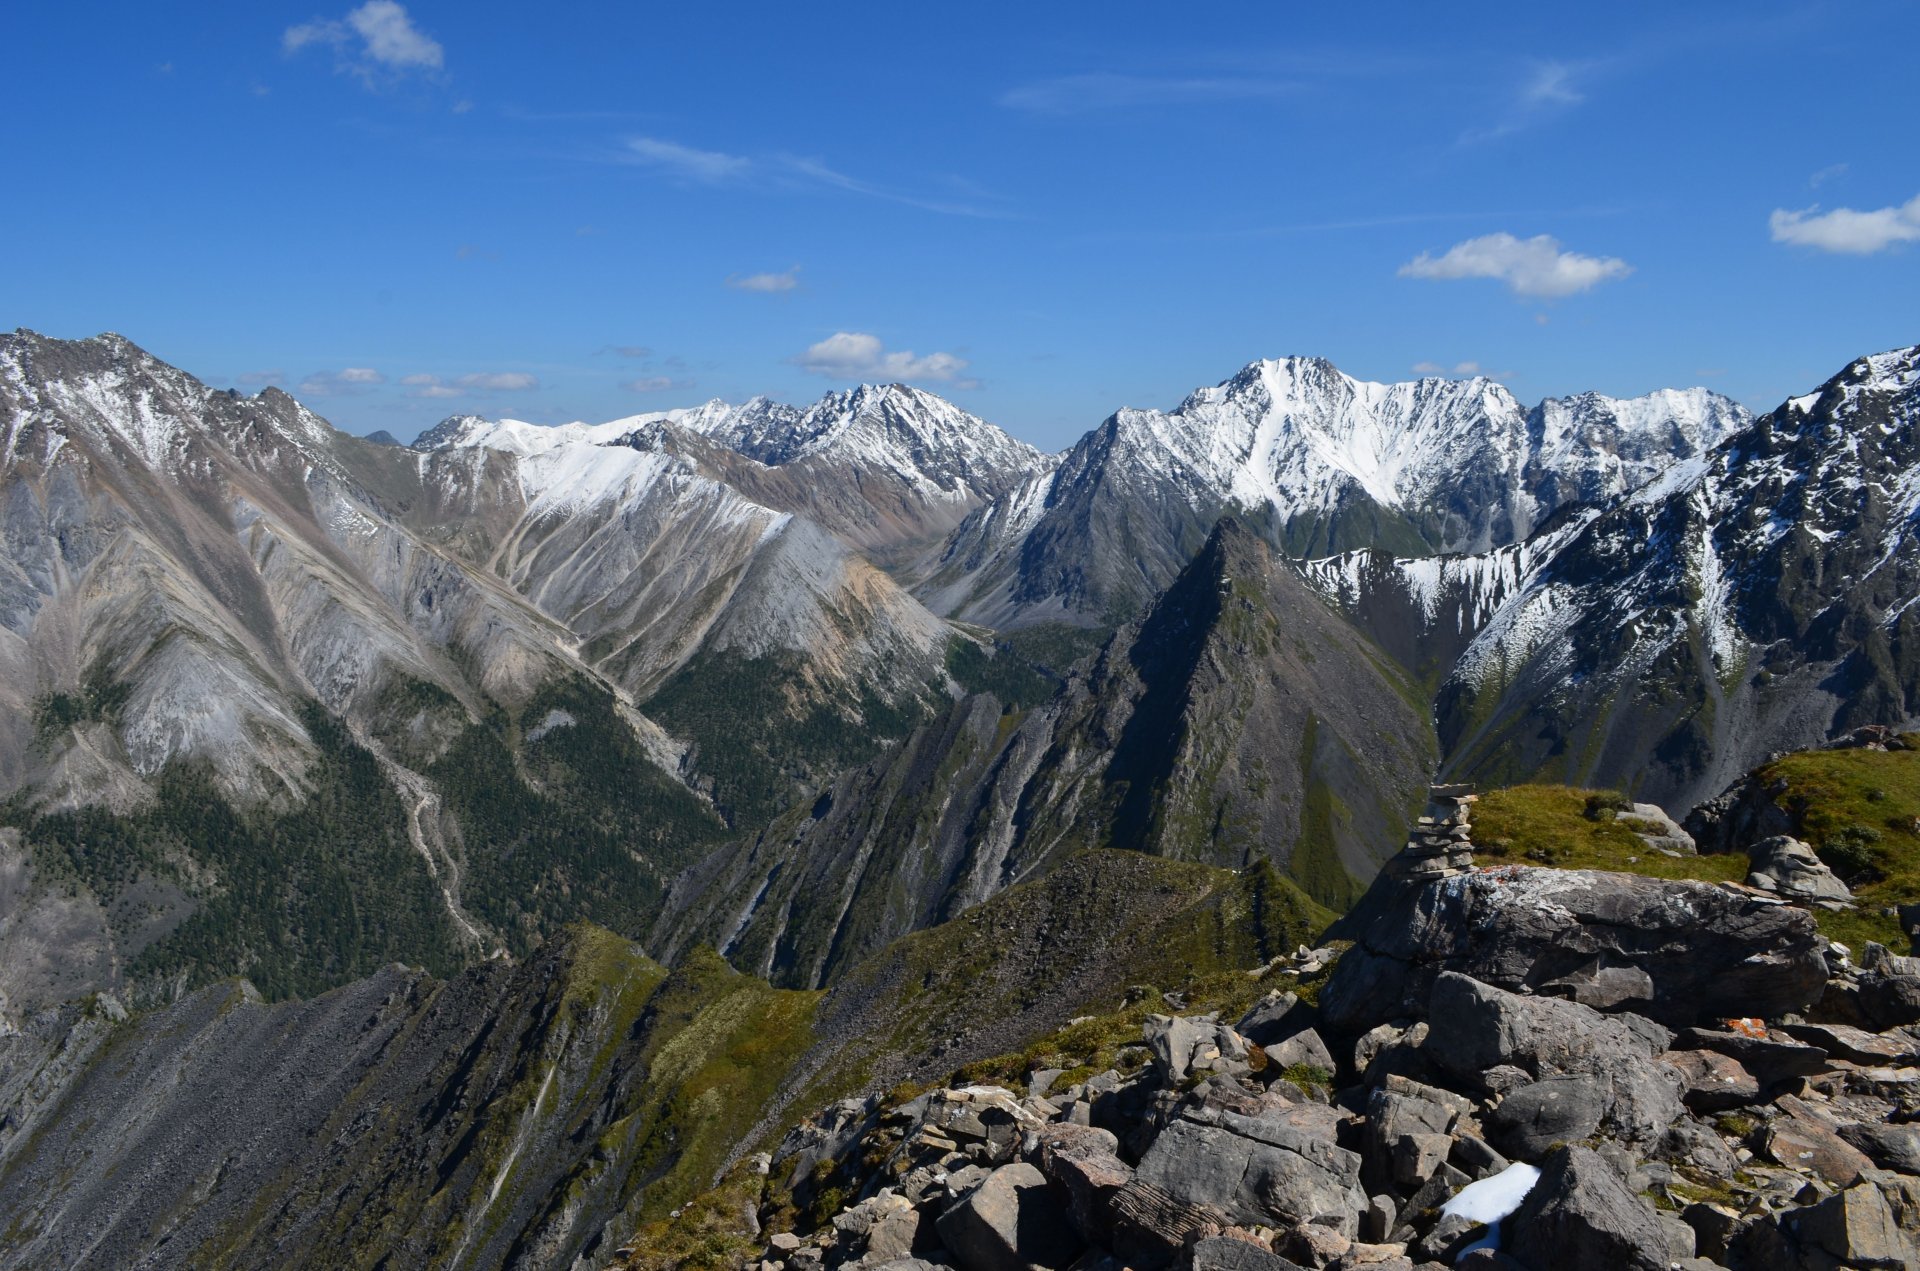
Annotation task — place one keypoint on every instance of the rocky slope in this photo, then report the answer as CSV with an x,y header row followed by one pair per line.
x,y
1571,1070
1323,462
532,1115
1238,721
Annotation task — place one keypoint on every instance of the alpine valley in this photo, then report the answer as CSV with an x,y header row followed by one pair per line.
x,y
843,835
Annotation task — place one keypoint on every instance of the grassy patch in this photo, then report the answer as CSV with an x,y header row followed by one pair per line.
x,y
1860,809
1550,825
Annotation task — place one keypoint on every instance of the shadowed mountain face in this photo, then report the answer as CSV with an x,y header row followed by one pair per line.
x,y
1238,721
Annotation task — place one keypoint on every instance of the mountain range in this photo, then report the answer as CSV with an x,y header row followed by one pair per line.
x,y
821,690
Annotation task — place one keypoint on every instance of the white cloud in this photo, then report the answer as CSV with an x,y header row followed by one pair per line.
x,y
1462,369
1552,85
853,355
768,283
656,384
628,350
274,376
1529,266
709,167
423,385
1826,174
498,381
378,37
354,379
1845,230
1074,94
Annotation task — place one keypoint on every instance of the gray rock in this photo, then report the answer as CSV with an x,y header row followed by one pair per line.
x,y
1259,1170
1150,1226
1606,1062
1304,1047
1010,1220
1274,1018
1581,1217
1185,1045
1894,1147
1771,1057
1789,867
1530,1121
1709,951
1083,1165
1713,1082
1225,1253
1855,1226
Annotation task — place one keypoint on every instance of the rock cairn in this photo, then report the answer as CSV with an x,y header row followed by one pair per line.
x,y
1441,843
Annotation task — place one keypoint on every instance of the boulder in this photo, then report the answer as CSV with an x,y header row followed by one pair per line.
x,y
1790,868
1084,1166
1150,1226
1855,1227
1894,1147
1708,951
1010,1220
1660,832
1771,1057
1713,1082
1266,1170
1581,1217
1304,1047
1534,1119
1274,1018
1593,1071
1800,1139
1230,1253
1183,1046
1887,992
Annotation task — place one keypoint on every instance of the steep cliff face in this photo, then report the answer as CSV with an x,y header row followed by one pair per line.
x,y
1239,721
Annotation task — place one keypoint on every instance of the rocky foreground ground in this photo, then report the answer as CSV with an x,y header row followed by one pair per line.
x,y
1508,1067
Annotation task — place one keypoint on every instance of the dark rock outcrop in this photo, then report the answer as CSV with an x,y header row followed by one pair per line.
x,y
1707,951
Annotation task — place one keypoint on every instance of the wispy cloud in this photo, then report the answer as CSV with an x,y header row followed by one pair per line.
x,y
657,384
1831,172
376,41
341,383
1084,94
625,350
1847,231
432,386
707,167
1544,91
252,378
854,355
769,284
689,165
1529,266
1459,369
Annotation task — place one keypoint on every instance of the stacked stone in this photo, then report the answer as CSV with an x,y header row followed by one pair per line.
x,y
1441,844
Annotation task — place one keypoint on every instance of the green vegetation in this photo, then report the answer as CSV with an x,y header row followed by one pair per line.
x,y
727,1043
1055,647
1860,810
586,828
1315,863
1017,682
762,740
1551,825
297,902
99,699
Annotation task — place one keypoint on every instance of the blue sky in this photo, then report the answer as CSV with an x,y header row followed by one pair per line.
x,y
1042,211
